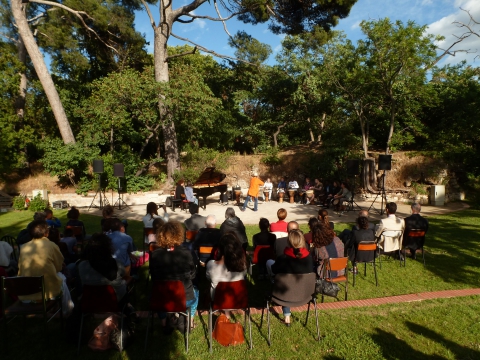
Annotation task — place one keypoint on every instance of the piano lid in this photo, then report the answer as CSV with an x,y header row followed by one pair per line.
x,y
210,176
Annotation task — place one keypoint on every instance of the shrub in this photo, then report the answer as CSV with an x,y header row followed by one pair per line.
x,y
38,203
19,202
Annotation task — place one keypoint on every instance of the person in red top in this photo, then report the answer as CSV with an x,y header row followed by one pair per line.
x,y
255,183
280,225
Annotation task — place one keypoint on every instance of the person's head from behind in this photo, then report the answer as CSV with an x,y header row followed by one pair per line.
x,y
323,216
48,213
157,223
416,208
68,232
39,216
281,214
230,248
312,222
108,211
117,225
211,221
362,223
73,213
322,235
296,241
229,213
192,208
39,229
170,234
152,208
292,225
54,235
363,213
391,208
263,224
99,248
108,225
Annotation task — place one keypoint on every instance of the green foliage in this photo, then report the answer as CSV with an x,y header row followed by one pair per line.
x,y
271,157
419,189
38,203
196,160
249,49
19,202
85,184
68,161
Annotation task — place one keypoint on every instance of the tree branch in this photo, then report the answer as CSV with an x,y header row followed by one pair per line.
x,y
77,14
147,9
182,54
186,9
200,47
220,17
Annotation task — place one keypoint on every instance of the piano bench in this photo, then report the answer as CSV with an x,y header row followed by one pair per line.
x,y
175,202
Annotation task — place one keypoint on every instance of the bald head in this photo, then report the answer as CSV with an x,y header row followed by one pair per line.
x,y
292,225
211,221
363,213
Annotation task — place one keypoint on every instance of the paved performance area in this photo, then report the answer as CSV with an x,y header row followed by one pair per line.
x,y
297,212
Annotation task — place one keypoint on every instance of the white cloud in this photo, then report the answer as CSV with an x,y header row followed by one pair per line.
x,y
450,27
356,25
277,48
426,2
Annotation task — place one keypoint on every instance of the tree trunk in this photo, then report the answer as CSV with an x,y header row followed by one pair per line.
x,y
275,134
322,126
312,138
392,122
42,71
162,33
22,91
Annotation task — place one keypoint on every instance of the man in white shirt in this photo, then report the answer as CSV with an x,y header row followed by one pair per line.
x,y
391,222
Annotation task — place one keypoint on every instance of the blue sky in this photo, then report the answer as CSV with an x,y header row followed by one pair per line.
x,y
439,15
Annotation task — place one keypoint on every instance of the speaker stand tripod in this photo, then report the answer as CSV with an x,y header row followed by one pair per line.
x,y
120,201
353,195
383,195
101,196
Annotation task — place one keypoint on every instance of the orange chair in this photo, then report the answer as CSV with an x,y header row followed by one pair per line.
x,y
205,250
337,265
366,253
190,235
414,237
230,296
99,299
168,296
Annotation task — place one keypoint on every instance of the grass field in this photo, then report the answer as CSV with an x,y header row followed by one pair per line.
x,y
438,329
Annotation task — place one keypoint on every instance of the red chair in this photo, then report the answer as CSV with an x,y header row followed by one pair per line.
x,y
190,235
168,296
24,286
230,296
99,299
261,254
415,238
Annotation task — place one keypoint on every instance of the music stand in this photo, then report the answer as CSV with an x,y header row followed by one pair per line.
x,y
100,191
120,191
383,194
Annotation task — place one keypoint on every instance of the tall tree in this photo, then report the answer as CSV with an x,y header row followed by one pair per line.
x,y
294,17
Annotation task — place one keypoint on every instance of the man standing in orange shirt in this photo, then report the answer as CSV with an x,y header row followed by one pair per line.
x,y
255,183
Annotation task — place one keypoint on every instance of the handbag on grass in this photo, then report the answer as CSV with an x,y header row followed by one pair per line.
x,y
327,288
227,333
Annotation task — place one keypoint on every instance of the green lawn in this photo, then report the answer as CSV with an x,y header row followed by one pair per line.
x,y
440,329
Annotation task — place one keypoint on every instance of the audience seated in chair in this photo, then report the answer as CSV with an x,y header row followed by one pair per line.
x,y
122,244
325,245
42,257
233,224
296,259
362,233
391,222
414,222
229,264
207,237
281,224
172,261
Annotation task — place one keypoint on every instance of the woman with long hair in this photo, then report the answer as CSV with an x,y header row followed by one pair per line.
x,y
325,218
295,260
172,261
325,245
229,264
152,214
98,266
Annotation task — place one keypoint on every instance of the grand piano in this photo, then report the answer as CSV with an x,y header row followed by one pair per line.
x,y
209,182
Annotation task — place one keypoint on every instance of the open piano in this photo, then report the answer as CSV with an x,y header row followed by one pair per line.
x,y
209,182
